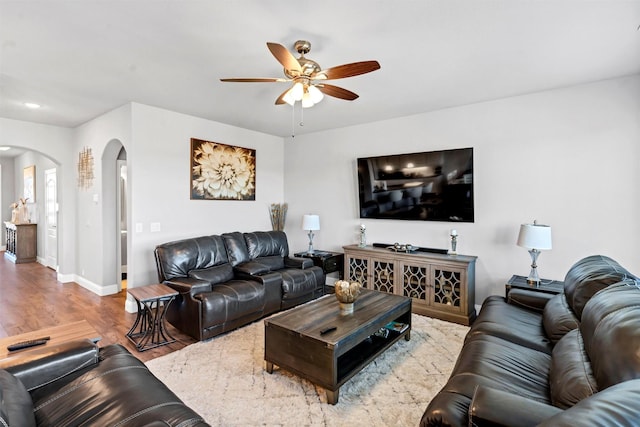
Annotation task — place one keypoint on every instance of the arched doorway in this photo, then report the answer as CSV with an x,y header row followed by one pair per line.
x,y
114,213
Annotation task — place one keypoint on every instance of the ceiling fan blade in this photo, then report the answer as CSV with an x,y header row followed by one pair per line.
x,y
348,70
337,92
285,57
255,80
280,100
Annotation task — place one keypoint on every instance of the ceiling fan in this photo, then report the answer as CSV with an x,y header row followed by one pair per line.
x,y
308,78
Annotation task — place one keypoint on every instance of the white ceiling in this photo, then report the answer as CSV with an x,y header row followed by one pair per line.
x,y
80,59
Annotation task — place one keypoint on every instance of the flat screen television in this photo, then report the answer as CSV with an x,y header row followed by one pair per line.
x,y
428,186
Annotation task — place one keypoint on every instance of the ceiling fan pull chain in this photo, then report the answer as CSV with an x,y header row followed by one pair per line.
x,y
301,115
293,120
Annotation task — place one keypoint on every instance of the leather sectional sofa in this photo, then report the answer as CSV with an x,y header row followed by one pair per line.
x,y
77,383
571,359
226,281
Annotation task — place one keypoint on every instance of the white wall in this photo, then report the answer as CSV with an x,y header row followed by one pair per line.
x,y
159,173
95,248
56,143
7,194
567,157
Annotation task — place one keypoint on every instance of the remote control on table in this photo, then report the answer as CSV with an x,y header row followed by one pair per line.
x,y
29,343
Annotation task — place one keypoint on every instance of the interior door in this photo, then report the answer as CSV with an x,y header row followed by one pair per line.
x,y
51,219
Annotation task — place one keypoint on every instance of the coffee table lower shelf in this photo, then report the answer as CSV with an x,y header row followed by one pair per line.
x,y
293,340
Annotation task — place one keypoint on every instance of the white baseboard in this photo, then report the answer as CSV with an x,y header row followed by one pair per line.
x,y
66,278
95,288
3,248
130,306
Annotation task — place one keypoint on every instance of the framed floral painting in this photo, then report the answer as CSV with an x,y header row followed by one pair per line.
x,y
222,172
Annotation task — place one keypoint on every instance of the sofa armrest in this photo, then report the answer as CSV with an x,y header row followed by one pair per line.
x,y
529,299
42,366
618,405
189,285
492,407
251,268
297,262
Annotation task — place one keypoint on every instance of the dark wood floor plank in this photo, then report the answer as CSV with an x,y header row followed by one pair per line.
x,y
31,298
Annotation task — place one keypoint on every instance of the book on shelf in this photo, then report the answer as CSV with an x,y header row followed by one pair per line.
x,y
397,326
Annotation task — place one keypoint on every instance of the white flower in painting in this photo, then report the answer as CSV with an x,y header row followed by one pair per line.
x,y
223,171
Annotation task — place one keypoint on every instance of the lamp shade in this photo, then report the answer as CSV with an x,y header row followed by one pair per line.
x,y
311,222
535,236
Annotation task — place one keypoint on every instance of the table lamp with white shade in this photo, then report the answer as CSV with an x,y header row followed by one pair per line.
x,y
535,237
310,223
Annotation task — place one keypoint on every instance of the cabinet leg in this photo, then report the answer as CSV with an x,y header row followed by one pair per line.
x,y
332,396
407,336
269,367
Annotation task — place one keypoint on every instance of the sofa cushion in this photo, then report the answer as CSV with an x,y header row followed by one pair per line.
x,y
16,407
214,275
570,377
237,251
176,259
558,319
611,331
271,263
296,283
232,300
120,390
512,323
266,243
588,276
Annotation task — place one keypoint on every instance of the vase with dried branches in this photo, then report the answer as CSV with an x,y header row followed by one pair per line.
x,y
278,214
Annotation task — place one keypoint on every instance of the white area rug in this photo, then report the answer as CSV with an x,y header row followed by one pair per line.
x,y
225,382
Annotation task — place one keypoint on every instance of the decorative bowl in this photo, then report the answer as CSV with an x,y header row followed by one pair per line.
x,y
346,294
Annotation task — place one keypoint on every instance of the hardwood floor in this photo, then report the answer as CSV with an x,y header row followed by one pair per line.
x,y
31,298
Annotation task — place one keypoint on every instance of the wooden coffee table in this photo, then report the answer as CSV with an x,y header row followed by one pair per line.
x,y
57,334
293,339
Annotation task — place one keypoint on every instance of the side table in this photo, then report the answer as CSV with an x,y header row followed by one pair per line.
x,y
328,261
149,331
545,286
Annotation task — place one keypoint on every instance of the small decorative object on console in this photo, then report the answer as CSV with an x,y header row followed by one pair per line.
x,y
346,293
454,241
407,247
363,236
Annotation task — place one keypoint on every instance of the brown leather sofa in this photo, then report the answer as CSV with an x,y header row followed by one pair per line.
x,y
565,360
77,383
233,279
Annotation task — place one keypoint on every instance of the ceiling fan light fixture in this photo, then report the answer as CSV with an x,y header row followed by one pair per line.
x,y
315,94
297,91
288,98
307,101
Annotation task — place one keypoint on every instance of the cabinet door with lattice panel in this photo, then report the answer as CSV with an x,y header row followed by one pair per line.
x,y
415,282
448,286
382,272
357,269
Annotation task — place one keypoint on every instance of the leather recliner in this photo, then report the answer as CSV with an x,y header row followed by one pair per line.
x,y
525,363
228,281
254,255
76,383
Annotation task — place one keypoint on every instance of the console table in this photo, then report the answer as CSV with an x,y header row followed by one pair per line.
x,y
441,285
21,242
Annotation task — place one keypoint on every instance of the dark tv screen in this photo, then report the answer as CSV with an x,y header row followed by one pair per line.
x,y
428,186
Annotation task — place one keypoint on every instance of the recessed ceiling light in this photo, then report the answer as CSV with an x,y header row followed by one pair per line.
x,y
32,105
5,148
